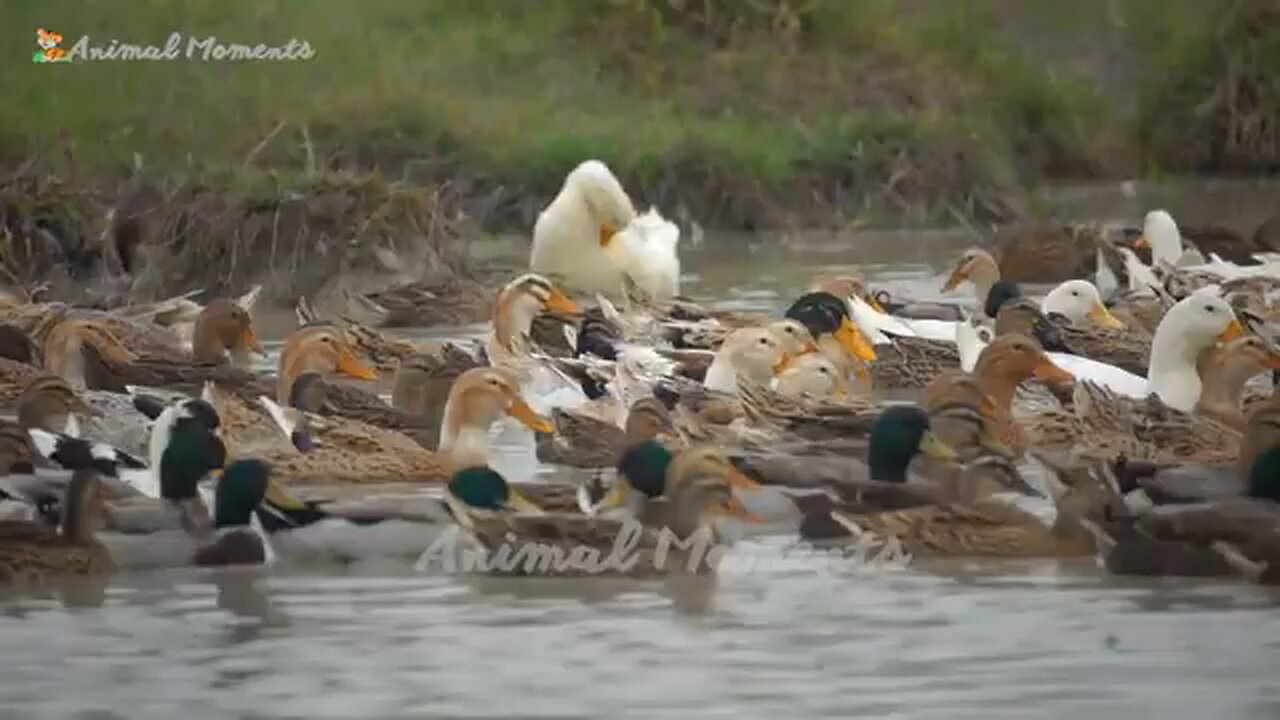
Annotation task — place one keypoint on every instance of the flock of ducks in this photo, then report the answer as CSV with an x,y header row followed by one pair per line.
x,y
1136,404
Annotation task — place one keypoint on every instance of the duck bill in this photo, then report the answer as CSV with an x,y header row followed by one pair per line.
x,y
617,496
350,366
853,341
522,504
277,497
520,410
958,275
933,447
1046,371
739,480
1233,331
1099,315
561,303
606,235
249,339
870,300
1142,243
783,363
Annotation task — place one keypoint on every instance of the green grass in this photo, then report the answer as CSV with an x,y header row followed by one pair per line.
x,y
765,101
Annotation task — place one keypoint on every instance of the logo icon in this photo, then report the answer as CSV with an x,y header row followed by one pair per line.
x,y
48,42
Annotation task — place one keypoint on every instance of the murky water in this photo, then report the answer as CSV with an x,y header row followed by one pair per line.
x,y
803,638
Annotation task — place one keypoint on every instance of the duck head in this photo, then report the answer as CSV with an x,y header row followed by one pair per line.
x,y
185,448
322,349
1191,326
977,266
1225,368
480,488
1264,476
606,203
1021,316
814,375
796,339
827,318
1160,234
479,398
647,418
1011,360
898,435
1079,302
998,295
50,403
648,471
223,328
754,354
521,301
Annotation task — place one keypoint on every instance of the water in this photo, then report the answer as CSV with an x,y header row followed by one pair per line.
x,y
956,640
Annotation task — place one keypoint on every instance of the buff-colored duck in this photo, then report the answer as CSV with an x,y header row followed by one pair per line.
x,y
347,451
1224,370
445,300
582,440
977,266
32,553
514,310
812,375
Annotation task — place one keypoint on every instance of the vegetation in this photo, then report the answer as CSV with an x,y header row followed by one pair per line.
x,y
741,113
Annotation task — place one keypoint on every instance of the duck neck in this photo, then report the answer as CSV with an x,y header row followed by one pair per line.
x,y
996,382
463,439
1173,375
206,343
1222,388
722,376
886,465
983,277
513,321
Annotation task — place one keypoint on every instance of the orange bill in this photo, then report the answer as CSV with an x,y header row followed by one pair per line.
x,y
853,341
559,302
249,339
350,365
1232,331
875,305
1142,243
1047,371
740,481
958,275
783,363
606,235
520,410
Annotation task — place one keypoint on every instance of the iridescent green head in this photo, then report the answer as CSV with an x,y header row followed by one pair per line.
x,y
240,491
1264,476
899,434
480,488
644,467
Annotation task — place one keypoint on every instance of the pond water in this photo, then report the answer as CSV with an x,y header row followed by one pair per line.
x,y
961,640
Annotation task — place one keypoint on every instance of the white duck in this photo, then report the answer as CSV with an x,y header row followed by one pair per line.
x,y
1079,302
755,354
1191,326
645,252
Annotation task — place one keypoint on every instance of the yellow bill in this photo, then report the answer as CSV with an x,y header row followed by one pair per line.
x,y
617,495
958,275
1099,315
1232,331
875,305
853,341
783,363
933,447
520,410
277,496
522,504
559,302
606,235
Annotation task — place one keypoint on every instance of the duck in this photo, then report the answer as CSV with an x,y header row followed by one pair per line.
x,y
384,352
751,354
348,451
85,354
517,304
1114,357
581,440
50,403
1192,325
19,363
449,299
697,493
1224,369
1162,236
1079,303
829,321
645,252
986,396
320,349
32,553
976,266
990,526
810,375
236,538
573,234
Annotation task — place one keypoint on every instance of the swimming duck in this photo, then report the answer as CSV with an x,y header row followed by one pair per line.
x,y
445,300
572,235
1224,369
1162,236
19,363
1003,365
319,349
752,354
977,266
49,403
31,552
383,351
828,319
989,526
1050,252
812,375
580,440
517,304
236,539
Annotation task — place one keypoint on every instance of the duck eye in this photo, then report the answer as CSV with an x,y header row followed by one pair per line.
x,y
1208,308
1075,293
764,341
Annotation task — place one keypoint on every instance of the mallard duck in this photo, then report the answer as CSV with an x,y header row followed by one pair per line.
x,y
446,300
31,552
19,363
236,539
697,492
988,397
1221,536
580,440
989,526
49,403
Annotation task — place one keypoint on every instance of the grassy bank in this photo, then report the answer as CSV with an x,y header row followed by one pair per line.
x,y
741,114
